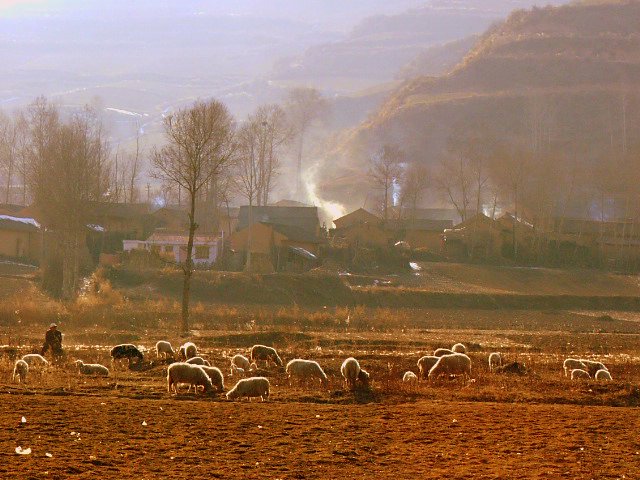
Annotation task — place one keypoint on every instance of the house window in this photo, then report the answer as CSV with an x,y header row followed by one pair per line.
x,y
202,253
168,249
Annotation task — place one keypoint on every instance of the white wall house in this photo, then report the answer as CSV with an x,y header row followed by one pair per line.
x,y
173,246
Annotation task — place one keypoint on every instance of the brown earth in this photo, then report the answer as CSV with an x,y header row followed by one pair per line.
x,y
104,437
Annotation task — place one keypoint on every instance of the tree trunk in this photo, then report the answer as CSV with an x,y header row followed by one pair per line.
x,y
188,268
299,169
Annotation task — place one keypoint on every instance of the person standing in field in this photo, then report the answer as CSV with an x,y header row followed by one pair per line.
x,y
53,341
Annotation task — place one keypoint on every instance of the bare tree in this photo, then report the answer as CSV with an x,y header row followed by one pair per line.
x,y
9,150
385,171
199,146
304,106
454,180
68,169
415,182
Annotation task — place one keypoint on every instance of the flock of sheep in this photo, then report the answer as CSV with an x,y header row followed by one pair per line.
x,y
195,372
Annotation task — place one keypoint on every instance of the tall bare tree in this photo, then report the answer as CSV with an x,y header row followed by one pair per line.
x,y
454,180
415,182
68,169
9,151
304,106
199,145
385,170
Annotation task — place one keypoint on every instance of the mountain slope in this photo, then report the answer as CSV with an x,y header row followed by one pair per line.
x,y
569,74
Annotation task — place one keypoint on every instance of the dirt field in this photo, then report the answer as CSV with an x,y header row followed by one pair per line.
x,y
104,437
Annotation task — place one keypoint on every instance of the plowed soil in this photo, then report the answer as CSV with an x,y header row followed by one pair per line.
x,y
104,437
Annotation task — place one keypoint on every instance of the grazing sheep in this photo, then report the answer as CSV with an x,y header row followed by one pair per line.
x,y
92,368
442,351
193,375
126,350
572,364
425,364
198,361
579,374
515,368
305,370
264,353
454,364
410,377
34,359
240,361
352,373
238,371
250,388
216,377
459,348
20,370
495,361
163,347
592,367
603,375
188,350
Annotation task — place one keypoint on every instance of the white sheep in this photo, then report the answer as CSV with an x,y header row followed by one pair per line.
x,y
188,350
198,361
603,375
495,361
165,349
91,368
304,370
442,351
192,375
572,364
352,373
216,377
20,370
593,367
264,353
410,377
34,359
250,388
579,374
459,348
240,361
454,364
425,363
240,372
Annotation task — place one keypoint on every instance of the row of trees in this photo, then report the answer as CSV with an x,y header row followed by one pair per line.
x,y
66,164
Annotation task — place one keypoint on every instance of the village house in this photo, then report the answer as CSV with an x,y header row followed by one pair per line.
x,y
284,237
172,246
20,238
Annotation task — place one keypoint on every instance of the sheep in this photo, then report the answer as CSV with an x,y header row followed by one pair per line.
x,y
459,348
454,364
216,377
305,370
92,368
193,375
250,387
262,352
239,361
20,370
238,371
603,374
579,374
126,350
442,351
352,373
572,364
513,368
425,364
410,377
198,361
163,347
34,359
188,350
495,361
592,367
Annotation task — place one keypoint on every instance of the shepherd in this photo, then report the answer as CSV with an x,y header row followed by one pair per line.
x,y
53,341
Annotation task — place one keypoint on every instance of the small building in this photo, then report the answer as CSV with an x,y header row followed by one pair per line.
x,y
424,234
173,246
357,217
20,238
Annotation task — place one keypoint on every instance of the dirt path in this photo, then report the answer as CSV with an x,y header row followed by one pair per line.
x,y
204,439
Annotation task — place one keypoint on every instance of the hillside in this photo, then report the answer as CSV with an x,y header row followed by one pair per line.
x,y
439,59
569,74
